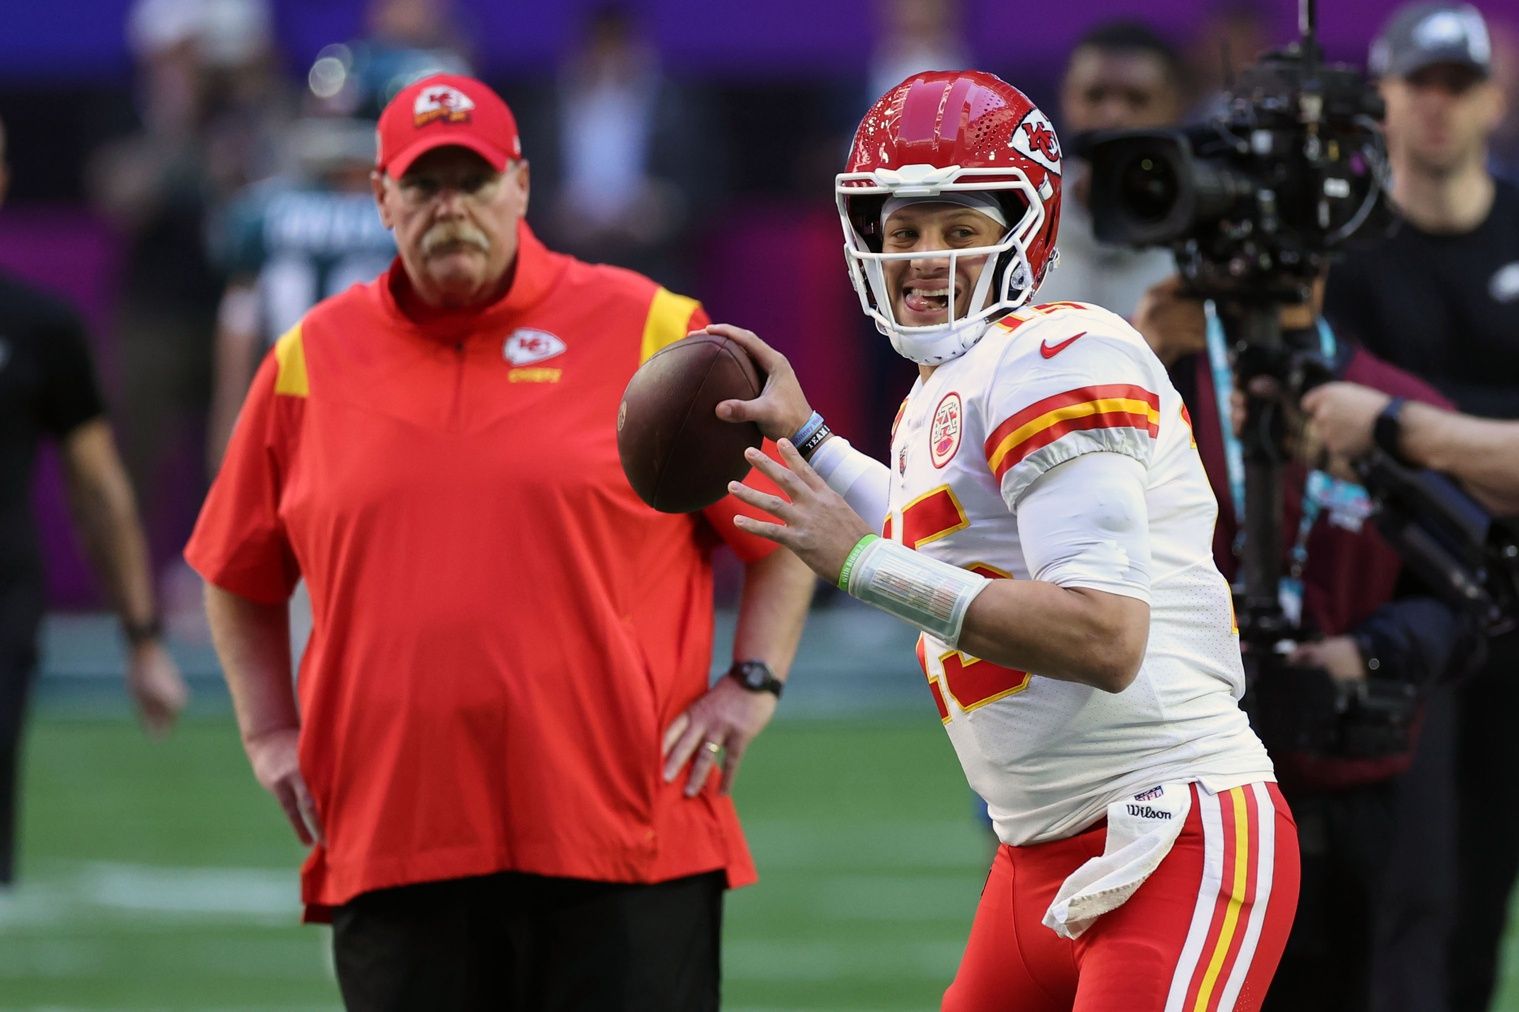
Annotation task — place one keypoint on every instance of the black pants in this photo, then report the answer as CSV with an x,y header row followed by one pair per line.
x,y
18,617
1487,791
1375,903
14,683
533,944
1326,966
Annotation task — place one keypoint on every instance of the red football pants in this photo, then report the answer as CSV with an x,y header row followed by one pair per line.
x,y
1203,933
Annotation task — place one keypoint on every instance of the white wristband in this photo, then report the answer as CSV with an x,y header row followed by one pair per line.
x,y
932,595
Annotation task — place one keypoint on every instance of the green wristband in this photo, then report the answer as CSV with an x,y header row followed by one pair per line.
x,y
849,560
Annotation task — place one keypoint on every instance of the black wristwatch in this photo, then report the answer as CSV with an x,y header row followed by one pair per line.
x,y
756,676
138,633
1388,427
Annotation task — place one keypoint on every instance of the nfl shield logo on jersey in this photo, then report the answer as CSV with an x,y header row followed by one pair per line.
x,y
944,437
524,346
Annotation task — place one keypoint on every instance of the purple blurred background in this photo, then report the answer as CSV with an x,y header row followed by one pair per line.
x,y
770,91
73,39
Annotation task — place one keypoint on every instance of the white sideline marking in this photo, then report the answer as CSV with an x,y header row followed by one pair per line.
x,y
71,891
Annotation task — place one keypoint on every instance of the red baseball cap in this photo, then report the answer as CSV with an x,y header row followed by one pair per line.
x,y
441,110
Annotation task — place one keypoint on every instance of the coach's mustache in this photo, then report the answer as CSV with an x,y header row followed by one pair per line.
x,y
454,234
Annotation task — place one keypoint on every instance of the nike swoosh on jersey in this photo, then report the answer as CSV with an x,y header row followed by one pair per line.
x,y
1051,350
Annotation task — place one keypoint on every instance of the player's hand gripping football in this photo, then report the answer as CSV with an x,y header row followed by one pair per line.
x,y
816,523
819,527
781,407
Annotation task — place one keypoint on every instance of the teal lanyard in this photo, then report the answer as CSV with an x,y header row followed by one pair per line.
x,y
1319,486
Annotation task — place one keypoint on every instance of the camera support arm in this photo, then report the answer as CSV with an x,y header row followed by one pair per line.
x,y
1254,334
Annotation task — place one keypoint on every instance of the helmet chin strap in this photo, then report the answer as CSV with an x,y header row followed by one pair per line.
x,y
938,344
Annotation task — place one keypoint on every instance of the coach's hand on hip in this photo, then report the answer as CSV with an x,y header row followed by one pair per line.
x,y
722,722
275,758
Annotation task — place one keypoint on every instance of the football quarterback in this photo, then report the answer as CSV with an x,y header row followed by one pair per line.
x,y
1044,520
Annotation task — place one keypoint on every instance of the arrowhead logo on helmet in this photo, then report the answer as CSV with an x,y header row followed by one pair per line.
x,y
1035,137
951,132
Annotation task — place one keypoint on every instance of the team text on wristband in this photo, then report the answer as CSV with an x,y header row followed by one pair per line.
x,y
811,435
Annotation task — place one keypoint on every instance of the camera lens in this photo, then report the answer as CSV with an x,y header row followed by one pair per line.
x,y
1148,188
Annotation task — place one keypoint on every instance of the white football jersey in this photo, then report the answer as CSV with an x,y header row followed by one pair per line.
x,y
1047,384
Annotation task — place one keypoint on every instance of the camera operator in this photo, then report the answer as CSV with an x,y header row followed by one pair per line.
x,y
1481,453
1376,626
1121,75
1440,297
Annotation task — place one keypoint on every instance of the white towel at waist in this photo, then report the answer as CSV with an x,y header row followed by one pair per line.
x,y
1141,831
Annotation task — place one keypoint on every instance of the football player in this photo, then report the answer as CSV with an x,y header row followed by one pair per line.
x,y
1045,521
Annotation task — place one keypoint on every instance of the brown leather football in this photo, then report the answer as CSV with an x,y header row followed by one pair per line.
x,y
678,455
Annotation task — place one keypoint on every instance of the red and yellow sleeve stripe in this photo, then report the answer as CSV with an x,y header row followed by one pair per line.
x,y
1109,406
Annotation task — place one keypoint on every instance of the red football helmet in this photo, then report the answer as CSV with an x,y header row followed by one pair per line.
x,y
942,132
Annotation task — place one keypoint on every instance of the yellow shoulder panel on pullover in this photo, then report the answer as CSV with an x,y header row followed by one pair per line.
x,y
666,323
291,355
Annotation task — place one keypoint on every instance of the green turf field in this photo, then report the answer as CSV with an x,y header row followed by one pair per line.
x,y
158,876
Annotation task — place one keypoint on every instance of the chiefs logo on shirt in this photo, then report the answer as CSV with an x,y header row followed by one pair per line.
x,y
525,346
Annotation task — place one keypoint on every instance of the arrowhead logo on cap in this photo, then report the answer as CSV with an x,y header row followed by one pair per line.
x,y
441,102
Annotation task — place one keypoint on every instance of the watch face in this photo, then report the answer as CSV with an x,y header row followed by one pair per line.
x,y
757,676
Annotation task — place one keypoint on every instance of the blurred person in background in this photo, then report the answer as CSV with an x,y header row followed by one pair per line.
x,y
908,37
1121,76
1371,894
504,746
402,31
405,40
913,36
1503,145
1230,35
210,111
48,390
629,163
1440,298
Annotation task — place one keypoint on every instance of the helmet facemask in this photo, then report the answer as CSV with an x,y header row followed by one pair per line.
x,y
1005,281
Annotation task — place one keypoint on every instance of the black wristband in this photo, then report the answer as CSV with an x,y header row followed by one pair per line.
x,y
138,633
810,446
1388,427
